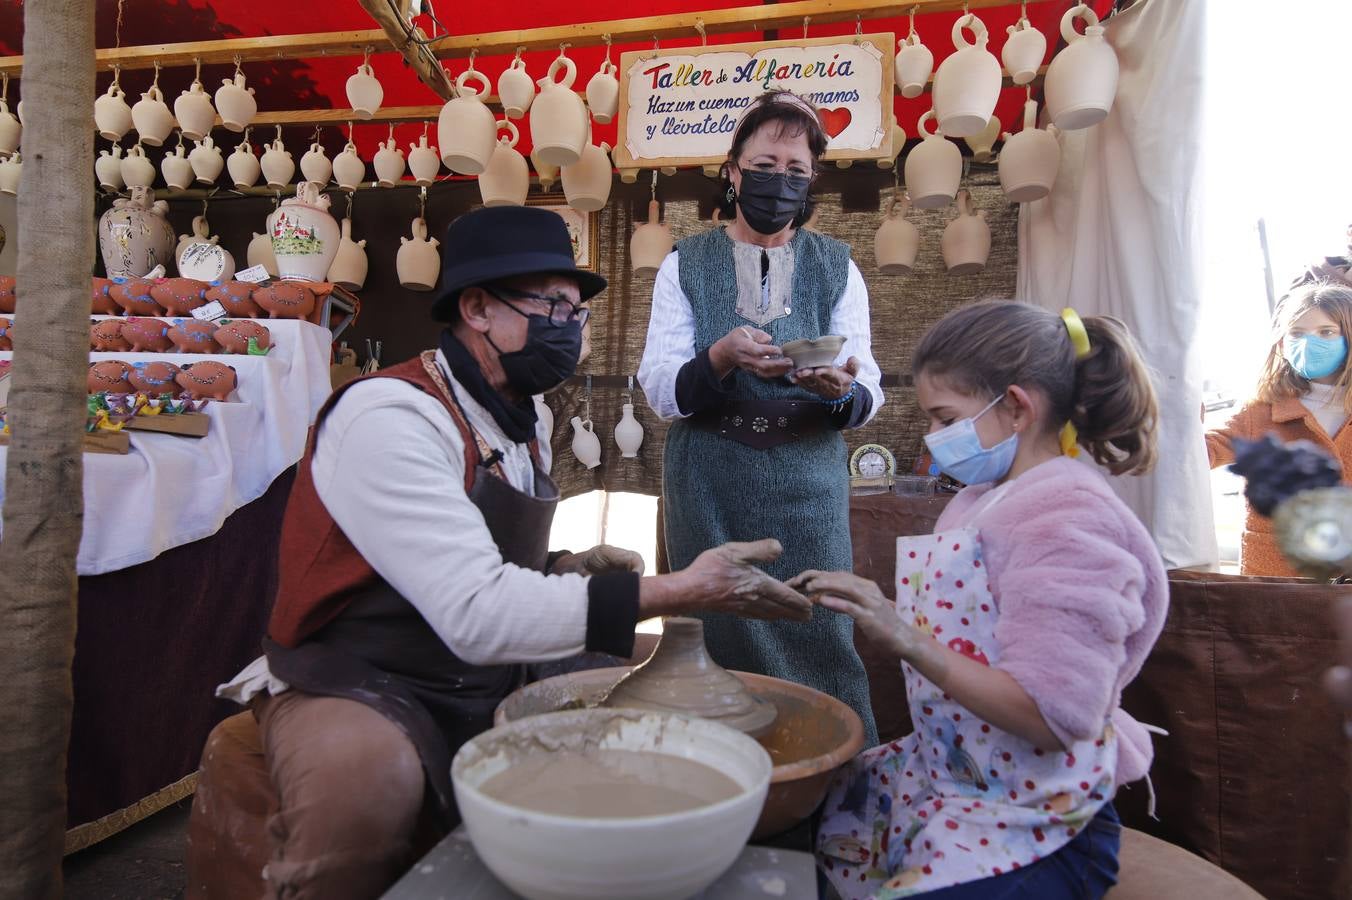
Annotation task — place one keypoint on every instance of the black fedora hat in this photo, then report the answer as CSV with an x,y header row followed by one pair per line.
x,y
498,242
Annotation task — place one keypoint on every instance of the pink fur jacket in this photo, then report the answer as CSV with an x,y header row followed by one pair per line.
x,y
1082,596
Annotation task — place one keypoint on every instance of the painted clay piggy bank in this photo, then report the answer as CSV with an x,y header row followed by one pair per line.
x,y
6,334
7,298
207,380
134,296
180,296
107,337
100,304
154,378
192,336
236,297
110,376
233,335
146,335
290,300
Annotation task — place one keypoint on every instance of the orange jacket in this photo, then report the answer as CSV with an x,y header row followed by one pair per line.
x,y
1289,420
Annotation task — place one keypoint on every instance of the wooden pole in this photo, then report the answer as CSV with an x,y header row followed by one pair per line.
x,y
43,505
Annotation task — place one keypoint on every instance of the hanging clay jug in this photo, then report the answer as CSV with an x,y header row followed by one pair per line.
x,y
546,416
1082,78
243,166
898,144
112,115
260,253
423,162
586,445
304,235
364,93
933,169
389,163
235,102
349,266
194,111
206,161
466,129
897,241
603,93
10,129
982,143
515,89
1029,159
1023,51
967,240
135,236
11,170
152,117
913,66
176,169
558,119
587,182
651,243
549,174
315,165
137,169
278,167
418,263
628,433
108,169
967,84
506,181
348,168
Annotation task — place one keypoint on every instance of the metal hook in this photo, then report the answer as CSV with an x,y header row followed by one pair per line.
x,y
425,126
350,195
117,75
422,202
703,37
351,133
806,21
586,400
629,389
1023,10
247,130
279,131
4,85
390,136
315,137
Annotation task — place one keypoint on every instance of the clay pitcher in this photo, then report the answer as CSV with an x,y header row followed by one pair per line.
x,y
418,263
315,165
898,144
586,445
548,174
506,181
1029,159
651,243
304,235
1082,78
349,266
897,241
176,169
364,93
913,66
603,93
389,163
933,169
135,236
260,253
108,168
628,433
967,84
137,169
423,162
558,120
587,182
206,161
12,169
982,143
10,129
515,89
235,102
194,111
112,115
348,168
967,240
243,166
466,130
1023,51
152,117
278,167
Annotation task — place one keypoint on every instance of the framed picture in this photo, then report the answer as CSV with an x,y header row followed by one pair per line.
x,y
582,227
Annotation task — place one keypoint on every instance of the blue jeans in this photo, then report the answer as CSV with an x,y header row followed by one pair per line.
x,y
1083,869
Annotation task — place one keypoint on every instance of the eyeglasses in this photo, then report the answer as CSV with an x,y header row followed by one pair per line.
x,y
561,310
795,176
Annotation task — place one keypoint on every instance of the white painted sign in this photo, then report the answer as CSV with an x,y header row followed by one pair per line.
x,y
253,275
210,312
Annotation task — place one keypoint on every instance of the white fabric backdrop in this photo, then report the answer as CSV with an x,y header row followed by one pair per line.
x,y
171,490
1119,235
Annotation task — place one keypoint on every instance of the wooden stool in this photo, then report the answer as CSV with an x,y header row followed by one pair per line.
x,y
1152,869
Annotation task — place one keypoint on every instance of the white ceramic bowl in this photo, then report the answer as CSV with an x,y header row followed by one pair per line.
x,y
810,354
666,857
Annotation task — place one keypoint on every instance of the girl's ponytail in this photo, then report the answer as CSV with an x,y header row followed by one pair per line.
x,y
1114,405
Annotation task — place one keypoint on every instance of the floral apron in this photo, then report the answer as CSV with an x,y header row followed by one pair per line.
x,y
958,799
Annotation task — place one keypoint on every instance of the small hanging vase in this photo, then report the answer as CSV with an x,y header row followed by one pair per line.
x,y
586,445
628,433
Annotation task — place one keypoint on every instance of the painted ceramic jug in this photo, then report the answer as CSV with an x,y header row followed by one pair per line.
x,y
304,235
515,89
897,241
135,236
206,161
418,263
967,84
651,242
506,181
350,265
967,240
194,111
466,130
558,119
235,102
1029,160
1082,78
933,169
176,169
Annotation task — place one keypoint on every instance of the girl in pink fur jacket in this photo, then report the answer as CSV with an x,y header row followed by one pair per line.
x,y
1017,623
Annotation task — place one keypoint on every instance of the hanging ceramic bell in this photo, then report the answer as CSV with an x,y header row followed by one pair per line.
x,y
350,265
315,166
108,169
348,168
897,241
586,445
278,167
418,263
628,433
967,84
933,169
243,166
206,161
506,181
651,243
1029,160
176,169
389,163
966,242
137,169
1082,78
423,162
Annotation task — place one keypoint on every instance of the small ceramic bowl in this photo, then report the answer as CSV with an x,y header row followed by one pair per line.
x,y
816,352
656,857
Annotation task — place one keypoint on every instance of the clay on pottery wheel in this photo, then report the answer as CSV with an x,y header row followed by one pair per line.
x,y
109,375
146,335
155,377
207,380
107,337
233,335
810,354
680,677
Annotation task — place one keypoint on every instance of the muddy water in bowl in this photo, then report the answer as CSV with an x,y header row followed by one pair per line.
x,y
811,354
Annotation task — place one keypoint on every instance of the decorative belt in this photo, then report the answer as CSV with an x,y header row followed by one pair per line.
x,y
764,424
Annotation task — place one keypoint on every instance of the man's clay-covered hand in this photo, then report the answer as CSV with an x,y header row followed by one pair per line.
x,y
598,560
725,579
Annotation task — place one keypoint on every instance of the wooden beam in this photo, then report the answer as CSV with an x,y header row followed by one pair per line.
x,y
392,17
254,49
715,21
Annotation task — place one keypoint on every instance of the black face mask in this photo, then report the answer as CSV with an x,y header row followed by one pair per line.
x,y
770,200
549,356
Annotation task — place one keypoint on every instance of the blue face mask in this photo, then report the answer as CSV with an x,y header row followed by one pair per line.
x,y
958,453
1313,356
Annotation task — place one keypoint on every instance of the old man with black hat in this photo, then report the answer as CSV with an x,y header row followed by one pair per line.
x,y
416,578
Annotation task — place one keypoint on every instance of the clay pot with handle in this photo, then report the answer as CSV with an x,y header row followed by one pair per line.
x,y
112,115
423,162
967,85
418,263
135,236
389,163
176,169
152,117
515,89
278,167
1029,160
651,243
137,169
364,92
108,169
933,169
10,129
586,183
586,445
348,169
206,161
603,93
466,130
260,253
304,235
350,265
966,242
1082,78
11,171
558,119
1023,52
506,181
913,66
235,102
315,165
243,166
898,240
194,111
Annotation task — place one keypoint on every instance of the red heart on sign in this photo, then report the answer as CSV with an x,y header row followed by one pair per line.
x,y
834,120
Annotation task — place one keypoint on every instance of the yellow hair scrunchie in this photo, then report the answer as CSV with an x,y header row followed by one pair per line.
x,y
1079,339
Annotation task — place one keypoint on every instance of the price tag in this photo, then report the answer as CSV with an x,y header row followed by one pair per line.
x,y
253,275
210,313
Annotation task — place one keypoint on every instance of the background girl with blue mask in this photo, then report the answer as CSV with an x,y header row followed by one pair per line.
x,y
1302,395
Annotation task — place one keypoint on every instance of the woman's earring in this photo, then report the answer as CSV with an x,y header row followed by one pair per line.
x,y
732,194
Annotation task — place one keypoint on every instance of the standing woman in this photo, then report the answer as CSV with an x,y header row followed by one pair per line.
x,y
756,448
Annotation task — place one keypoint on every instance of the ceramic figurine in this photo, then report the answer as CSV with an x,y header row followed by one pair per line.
x,y
153,378
651,243
146,335
587,182
277,165
243,166
933,169
418,263
179,296
207,380
194,111
349,267
106,336
364,93
466,131
7,296
628,433
109,376
176,169
108,169
558,119
506,181
304,235
1023,51
1030,159
260,253
192,336
290,299
235,102
315,165
112,115
236,297
967,240
515,89
603,93
133,295
897,241
6,334
586,445
100,304
206,161
135,236
967,84
137,169
234,335
151,117
423,162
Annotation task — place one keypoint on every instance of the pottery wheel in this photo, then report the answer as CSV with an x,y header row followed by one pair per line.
x,y
680,677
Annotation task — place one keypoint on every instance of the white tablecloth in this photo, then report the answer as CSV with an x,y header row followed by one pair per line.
x,y
171,490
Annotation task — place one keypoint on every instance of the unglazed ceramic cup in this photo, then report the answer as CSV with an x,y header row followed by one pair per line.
x,y
814,353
